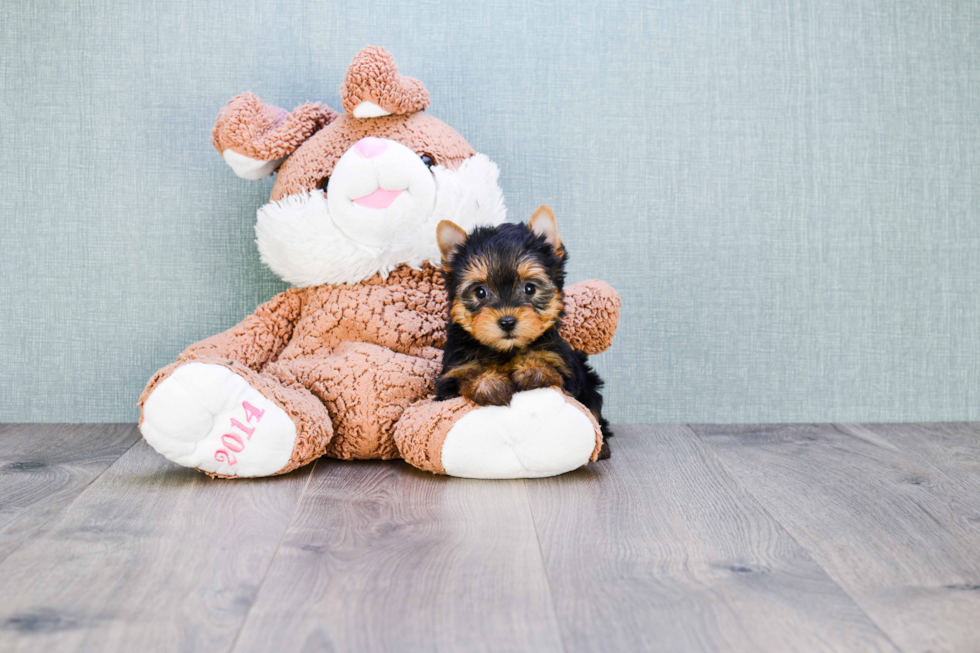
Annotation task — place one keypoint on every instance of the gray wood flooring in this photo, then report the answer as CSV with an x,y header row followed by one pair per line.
x,y
704,538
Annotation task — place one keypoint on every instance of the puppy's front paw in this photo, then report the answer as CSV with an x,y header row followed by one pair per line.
x,y
533,375
488,389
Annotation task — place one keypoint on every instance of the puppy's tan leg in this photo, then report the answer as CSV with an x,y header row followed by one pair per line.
x,y
489,388
537,370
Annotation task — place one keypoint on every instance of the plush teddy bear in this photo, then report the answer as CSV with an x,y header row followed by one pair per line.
x,y
344,363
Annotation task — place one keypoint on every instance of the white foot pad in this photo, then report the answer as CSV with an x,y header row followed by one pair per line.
x,y
208,417
539,434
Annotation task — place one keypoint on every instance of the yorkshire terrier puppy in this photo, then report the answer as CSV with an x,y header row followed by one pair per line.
x,y
505,310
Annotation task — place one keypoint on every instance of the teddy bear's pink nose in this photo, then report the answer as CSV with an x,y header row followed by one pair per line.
x,y
370,147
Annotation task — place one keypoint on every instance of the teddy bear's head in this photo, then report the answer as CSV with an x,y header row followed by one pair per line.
x,y
361,192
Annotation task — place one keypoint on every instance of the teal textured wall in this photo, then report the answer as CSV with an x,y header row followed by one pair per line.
x,y
786,193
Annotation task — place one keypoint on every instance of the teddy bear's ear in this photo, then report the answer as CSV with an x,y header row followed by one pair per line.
x,y
255,138
373,87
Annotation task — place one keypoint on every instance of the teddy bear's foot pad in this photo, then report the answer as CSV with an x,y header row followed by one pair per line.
x,y
208,417
539,434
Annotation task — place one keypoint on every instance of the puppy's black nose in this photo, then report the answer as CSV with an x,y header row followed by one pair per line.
x,y
507,323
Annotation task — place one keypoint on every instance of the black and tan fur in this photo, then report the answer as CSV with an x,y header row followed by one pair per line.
x,y
505,288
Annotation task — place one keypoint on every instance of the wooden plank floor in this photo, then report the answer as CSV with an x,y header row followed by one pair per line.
x,y
705,538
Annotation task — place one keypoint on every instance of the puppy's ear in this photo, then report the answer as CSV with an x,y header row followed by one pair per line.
x,y
544,224
449,236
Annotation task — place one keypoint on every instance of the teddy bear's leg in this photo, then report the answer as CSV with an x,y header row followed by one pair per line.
x,y
228,420
366,388
542,432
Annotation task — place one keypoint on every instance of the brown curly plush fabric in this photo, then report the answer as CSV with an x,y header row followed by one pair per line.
x,y
261,131
591,316
422,430
373,77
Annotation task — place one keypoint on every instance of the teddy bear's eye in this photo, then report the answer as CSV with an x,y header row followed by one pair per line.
x,y
480,292
428,161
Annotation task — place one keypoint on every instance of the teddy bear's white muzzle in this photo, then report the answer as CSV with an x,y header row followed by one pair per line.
x,y
380,192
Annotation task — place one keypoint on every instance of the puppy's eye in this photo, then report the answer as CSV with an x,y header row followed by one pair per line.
x,y
428,161
480,292
529,289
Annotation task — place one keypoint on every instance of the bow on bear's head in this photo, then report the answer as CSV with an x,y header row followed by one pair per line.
x,y
357,193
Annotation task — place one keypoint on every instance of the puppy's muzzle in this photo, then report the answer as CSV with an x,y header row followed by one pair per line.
x,y
507,323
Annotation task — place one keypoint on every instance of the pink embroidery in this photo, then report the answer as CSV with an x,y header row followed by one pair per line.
x,y
247,430
233,441
251,411
231,460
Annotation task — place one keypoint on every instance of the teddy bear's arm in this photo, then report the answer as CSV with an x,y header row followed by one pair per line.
x,y
591,316
256,340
